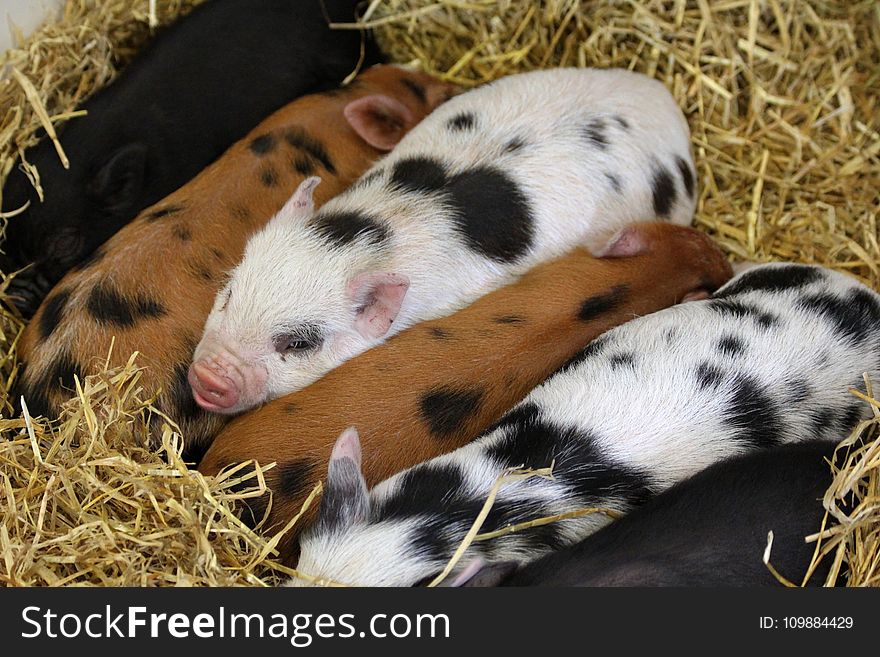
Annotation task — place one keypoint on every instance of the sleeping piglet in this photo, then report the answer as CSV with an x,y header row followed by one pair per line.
x,y
709,530
502,177
198,87
441,383
767,361
151,286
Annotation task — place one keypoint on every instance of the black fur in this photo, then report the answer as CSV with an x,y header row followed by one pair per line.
x,y
771,279
600,304
753,412
708,376
577,463
687,176
509,319
440,333
269,176
623,359
514,145
171,112
710,530
417,90
53,313
418,174
241,212
663,191
296,477
622,122
108,306
181,404
731,345
299,138
303,165
93,258
615,182
462,121
182,233
492,213
445,409
735,308
342,228
855,316
59,375
263,144
163,212
418,492
593,349
595,132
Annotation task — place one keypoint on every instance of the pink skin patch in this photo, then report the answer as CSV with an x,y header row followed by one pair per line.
x,y
223,384
627,243
348,445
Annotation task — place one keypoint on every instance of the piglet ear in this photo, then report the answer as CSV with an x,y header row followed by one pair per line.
x,y
626,243
345,501
377,297
301,203
480,574
117,185
380,120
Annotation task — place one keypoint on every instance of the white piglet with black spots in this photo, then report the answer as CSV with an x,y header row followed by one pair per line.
x,y
768,360
493,182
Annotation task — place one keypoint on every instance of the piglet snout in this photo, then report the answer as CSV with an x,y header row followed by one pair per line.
x,y
212,391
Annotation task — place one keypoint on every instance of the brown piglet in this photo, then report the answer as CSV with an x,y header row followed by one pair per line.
x,y
441,383
152,285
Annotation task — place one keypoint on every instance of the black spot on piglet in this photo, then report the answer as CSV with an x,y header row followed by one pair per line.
x,y
492,213
687,177
343,228
108,306
462,121
731,345
855,316
53,313
599,304
295,477
418,174
771,279
595,133
263,144
753,412
663,191
416,89
446,409
163,212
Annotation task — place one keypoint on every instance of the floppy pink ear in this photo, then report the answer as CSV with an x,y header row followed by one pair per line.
x,y
380,120
626,243
377,297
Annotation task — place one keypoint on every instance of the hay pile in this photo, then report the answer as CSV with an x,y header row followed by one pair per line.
x,y
782,97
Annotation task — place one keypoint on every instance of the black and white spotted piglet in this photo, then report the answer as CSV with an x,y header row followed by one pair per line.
x,y
709,530
491,183
767,361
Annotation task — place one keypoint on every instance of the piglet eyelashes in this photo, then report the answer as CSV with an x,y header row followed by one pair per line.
x,y
293,343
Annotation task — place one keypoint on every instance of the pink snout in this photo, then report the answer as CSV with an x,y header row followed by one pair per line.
x,y
222,382
212,391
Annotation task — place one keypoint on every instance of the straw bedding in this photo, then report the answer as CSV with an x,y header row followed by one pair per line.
x,y
783,99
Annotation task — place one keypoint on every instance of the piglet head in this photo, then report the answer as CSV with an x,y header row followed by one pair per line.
x,y
350,542
229,371
297,305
